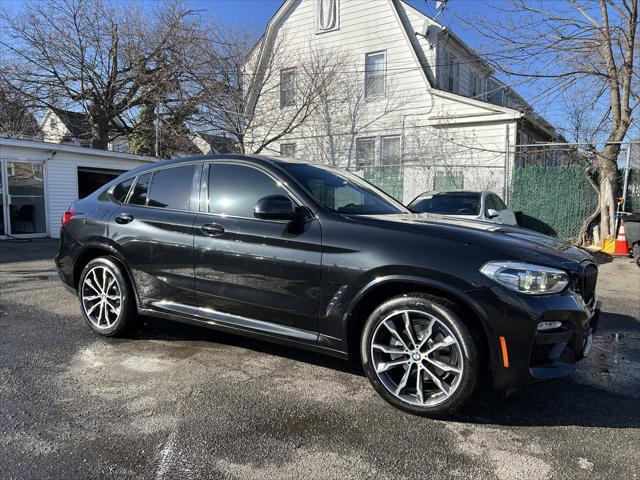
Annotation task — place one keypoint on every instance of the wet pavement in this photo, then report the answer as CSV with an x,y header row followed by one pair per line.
x,y
176,401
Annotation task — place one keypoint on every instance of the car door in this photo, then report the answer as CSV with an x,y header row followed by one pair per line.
x,y
153,230
261,269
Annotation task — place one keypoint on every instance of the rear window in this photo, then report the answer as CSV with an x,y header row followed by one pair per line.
x,y
139,195
171,188
449,204
120,191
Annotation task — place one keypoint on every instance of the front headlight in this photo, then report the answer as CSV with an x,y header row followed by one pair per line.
x,y
526,278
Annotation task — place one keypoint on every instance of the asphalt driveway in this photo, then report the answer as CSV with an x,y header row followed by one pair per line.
x,y
176,401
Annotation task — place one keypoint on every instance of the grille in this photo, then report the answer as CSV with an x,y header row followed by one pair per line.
x,y
587,282
540,355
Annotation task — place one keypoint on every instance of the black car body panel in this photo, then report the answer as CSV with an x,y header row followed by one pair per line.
x,y
300,282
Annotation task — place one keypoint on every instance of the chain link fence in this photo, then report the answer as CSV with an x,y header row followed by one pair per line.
x,y
547,184
406,182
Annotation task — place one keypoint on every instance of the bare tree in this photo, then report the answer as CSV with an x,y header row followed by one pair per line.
x,y
242,93
343,113
106,58
576,44
16,120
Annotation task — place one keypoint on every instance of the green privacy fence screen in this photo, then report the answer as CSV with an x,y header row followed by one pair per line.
x,y
388,178
633,191
556,199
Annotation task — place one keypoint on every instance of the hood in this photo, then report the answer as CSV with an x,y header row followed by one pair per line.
x,y
505,242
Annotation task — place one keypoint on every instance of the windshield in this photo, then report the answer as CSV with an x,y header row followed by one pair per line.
x,y
467,203
342,192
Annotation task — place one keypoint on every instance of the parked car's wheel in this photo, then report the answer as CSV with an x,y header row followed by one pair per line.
x,y
636,253
419,355
106,298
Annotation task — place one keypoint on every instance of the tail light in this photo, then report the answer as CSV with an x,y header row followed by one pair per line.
x,y
66,217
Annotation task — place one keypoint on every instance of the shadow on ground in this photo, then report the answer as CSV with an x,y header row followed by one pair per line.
x,y
563,402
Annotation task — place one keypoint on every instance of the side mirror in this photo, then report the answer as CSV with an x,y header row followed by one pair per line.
x,y
491,213
275,207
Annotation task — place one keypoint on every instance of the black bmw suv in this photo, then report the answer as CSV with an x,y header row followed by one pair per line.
x,y
313,257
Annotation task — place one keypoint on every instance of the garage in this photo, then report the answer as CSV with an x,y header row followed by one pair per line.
x,y
39,180
90,179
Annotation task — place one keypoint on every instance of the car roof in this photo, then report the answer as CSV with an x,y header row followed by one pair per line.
x,y
259,159
448,192
458,192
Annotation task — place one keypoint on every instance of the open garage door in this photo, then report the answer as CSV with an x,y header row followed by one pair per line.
x,y
90,179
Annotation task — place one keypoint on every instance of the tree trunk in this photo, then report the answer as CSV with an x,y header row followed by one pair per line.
x,y
608,189
100,133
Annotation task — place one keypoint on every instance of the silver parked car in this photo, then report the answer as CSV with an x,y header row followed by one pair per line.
x,y
485,206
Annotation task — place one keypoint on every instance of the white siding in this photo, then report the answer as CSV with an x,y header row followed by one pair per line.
x,y
436,128
61,171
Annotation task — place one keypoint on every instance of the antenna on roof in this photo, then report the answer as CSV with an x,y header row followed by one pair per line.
x,y
440,7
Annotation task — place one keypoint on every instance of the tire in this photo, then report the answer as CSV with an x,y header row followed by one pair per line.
x,y
106,298
636,253
393,373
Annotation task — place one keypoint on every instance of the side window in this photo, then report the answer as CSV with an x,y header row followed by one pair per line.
x,y
488,203
365,152
499,204
287,87
374,74
288,150
235,189
139,195
120,191
171,188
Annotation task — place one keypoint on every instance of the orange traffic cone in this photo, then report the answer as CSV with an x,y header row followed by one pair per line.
x,y
621,247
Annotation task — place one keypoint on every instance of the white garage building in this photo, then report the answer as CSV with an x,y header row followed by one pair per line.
x,y
39,180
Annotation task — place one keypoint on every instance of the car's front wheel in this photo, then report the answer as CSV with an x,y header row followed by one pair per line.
x,y
419,355
106,298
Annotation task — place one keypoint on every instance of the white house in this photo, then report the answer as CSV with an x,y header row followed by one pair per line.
x,y
39,180
73,128
408,96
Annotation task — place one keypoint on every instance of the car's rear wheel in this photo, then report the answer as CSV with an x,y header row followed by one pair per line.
x,y
636,253
106,298
419,355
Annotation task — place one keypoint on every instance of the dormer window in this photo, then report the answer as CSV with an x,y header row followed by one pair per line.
x,y
328,14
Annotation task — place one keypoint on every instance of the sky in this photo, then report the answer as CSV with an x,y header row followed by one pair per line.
x,y
257,13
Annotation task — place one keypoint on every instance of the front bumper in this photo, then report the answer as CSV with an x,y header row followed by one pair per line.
x,y
533,355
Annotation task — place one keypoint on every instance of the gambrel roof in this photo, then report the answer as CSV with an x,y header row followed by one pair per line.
x,y
401,11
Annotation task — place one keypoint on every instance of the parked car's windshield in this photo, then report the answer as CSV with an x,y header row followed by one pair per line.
x,y
342,192
463,203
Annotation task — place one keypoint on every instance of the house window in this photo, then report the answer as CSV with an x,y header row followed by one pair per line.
x,y
328,12
287,87
390,150
450,71
453,73
374,74
288,150
365,152
495,92
475,85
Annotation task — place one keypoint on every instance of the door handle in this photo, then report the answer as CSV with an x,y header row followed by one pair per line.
x,y
212,229
124,218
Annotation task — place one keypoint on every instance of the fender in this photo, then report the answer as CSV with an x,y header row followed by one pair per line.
x,y
457,293
101,243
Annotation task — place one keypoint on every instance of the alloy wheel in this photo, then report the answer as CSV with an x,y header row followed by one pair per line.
x,y
101,297
417,357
